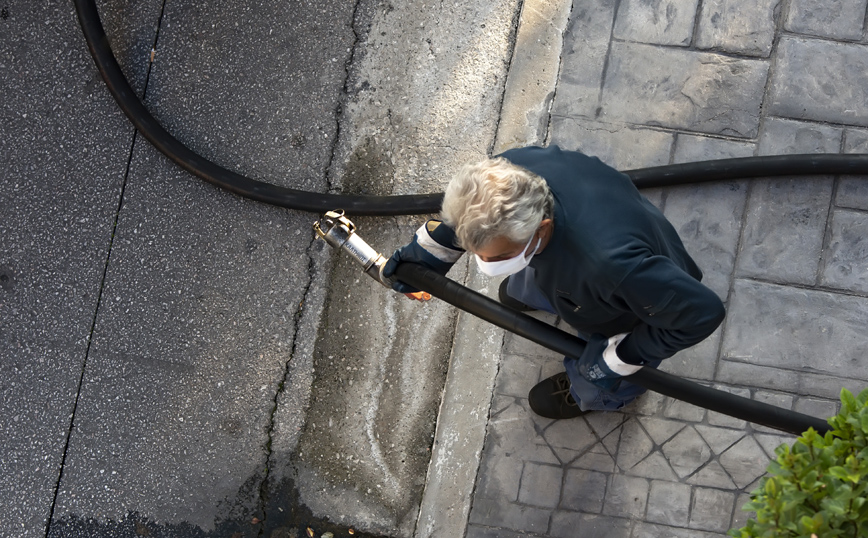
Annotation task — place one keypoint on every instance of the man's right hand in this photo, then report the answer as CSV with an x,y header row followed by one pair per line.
x,y
432,247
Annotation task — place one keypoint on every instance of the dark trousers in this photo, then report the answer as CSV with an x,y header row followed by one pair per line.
x,y
521,287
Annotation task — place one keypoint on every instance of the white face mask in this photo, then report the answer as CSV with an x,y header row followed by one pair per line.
x,y
510,266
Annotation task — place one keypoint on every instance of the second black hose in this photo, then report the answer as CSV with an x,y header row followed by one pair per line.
x,y
557,340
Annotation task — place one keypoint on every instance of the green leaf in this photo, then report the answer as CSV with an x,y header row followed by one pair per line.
x,y
809,525
834,506
848,402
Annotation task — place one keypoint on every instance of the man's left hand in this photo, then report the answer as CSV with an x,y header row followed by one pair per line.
x,y
600,363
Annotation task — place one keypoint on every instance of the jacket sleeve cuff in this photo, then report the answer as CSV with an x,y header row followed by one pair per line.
x,y
629,353
613,361
438,239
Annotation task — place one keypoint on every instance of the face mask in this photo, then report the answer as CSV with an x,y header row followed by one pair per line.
x,y
509,266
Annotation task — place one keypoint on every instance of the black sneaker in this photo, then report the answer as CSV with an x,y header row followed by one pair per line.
x,y
506,300
551,398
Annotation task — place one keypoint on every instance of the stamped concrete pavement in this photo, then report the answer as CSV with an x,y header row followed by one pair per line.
x,y
644,84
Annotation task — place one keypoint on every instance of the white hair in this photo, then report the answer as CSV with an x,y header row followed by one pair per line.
x,y
495,198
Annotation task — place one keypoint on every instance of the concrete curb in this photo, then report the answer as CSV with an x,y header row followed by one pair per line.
x,y
461,423
533,74
476,351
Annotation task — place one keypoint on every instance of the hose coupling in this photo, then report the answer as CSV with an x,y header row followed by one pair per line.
x,y
339,232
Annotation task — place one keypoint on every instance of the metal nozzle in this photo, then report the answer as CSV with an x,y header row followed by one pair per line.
x,y
339,232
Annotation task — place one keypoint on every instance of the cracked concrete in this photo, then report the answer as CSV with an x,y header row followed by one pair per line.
x,y
208,348
421,100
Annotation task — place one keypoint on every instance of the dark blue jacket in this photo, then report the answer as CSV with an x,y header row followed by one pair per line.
x,y
614,263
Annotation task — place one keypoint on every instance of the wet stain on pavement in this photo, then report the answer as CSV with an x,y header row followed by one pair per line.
x,y
285,517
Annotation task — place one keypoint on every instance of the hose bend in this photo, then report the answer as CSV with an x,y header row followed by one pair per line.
x,y
171,147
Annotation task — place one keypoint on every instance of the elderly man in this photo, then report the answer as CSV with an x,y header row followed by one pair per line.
x,y
575,238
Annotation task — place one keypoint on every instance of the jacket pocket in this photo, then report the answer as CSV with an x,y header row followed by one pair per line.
x,y
659,305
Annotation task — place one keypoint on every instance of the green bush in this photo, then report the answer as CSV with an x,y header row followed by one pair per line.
x,y
819,487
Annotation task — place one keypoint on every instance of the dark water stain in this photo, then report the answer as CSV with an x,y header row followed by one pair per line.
x,y
369,170
285,517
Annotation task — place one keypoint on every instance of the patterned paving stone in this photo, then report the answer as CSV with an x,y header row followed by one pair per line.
x,y
855,140
635,445
720,419
516,376
712,475
499,477
744,462
770,442
612,441
649,403
551,367
661,430
852,192
653,466
511,516
740,26
569,438
778,399
686,452
604,424
696,91
743,371
794,328
710,231
834,90
841,19
476,531
649,530
693,148
584,490
784,230
513,432
596,459
816,408
626,497
669,503
540,485
740,517
572,524
781,136
683,411
712,509
620,146
665,22
696,362
719,439
845,264
586,44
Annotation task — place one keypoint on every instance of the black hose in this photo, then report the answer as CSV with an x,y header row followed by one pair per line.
x,y
171,147
557,340
791,165
150,128
812,164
